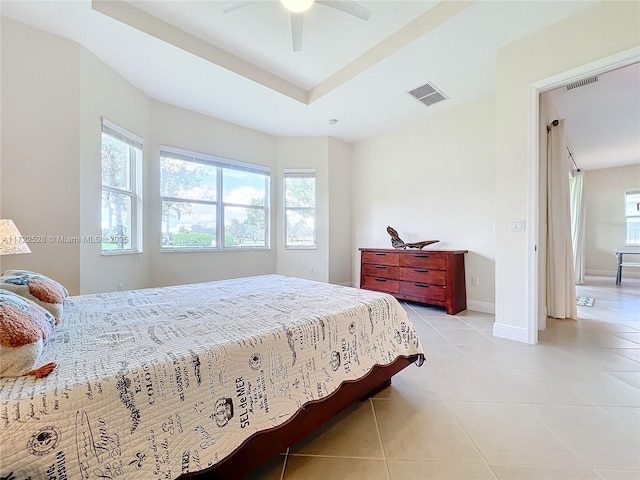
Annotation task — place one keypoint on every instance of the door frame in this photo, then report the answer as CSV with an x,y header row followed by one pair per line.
x,y
598,67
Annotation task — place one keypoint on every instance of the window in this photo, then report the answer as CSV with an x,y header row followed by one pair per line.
x,y
121,160
300,208
632,214
211,202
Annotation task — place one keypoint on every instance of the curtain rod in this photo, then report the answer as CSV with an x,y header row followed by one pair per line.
x,y
571,157
555,124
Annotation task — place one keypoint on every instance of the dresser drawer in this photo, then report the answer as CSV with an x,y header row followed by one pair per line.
x,y
423,260
423,275
432,277
385,271
380,258
423,291
381,284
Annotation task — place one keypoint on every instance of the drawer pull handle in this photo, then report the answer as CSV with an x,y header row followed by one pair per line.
x,y
420,270
381,266
423,285
378,279
421,256
381,254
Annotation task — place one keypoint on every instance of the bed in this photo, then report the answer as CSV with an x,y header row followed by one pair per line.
x,y
206,380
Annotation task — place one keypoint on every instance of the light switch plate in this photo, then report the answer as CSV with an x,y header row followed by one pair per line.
x,y
517,225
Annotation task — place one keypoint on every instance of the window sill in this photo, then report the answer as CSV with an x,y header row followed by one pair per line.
x,y
191,250
111,253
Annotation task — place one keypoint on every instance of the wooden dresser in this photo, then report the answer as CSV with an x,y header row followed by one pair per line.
x,y
434,277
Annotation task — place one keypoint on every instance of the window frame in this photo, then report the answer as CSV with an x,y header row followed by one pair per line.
x,y
299,173
629,192
220,163
134,192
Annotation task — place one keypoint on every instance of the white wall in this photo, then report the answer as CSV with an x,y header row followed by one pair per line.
x,y
104,93
40,187
54,93
330,261
340,226
606,227
176,127
592,34
305,152
432,179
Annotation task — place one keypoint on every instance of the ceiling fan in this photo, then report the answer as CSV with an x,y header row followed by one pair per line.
x,y
297,9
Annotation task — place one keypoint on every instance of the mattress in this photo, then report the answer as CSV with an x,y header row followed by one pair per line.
x,y
155,383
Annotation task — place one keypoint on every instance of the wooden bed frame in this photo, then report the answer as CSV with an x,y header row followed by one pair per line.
x,y
262,446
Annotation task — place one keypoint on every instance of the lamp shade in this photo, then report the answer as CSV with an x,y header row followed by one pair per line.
x,y
11,240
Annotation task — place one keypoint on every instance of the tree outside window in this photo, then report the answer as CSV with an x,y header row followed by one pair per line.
x,y
300,208
210,202
121,152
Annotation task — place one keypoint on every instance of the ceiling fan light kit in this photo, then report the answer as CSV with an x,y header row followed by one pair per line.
x,y
297,6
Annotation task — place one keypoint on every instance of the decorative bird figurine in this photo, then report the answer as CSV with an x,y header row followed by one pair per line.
x,y
396,241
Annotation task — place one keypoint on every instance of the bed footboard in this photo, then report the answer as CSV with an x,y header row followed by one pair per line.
x,y
261,447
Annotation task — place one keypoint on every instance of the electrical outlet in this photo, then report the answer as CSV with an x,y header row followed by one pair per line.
x,y
474,281
310,270
120,287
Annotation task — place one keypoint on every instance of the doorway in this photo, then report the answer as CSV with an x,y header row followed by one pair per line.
x,y
539,118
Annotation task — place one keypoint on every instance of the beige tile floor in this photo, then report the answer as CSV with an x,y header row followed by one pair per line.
x,y
488,408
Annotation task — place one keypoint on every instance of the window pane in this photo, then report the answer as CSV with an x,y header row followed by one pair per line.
x,y
115,163
633,231
116,221
188,180
300,192
301,227
188,225
632,204
243,188
244,227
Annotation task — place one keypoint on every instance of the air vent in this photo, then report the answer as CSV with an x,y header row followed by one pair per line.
x,y
427,94
582,83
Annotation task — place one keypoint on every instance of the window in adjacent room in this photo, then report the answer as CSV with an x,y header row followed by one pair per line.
x,y
212,203
121,186
300,208
632,214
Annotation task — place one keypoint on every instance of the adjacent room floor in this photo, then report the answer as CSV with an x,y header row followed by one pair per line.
x,y
487,408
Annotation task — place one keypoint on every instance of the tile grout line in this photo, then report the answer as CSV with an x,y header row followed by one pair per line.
x,y
486,461
284,465
448,341
384,453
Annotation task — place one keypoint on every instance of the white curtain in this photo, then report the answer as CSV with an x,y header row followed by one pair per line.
x,y
561,287
576,185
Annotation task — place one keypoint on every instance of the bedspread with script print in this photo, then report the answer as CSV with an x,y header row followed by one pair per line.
x,y
155,383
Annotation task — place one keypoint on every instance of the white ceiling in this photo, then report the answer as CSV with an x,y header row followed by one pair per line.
x,y
602,119
240,66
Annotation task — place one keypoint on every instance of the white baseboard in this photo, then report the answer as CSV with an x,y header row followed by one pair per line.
x,y
601,273
484,307
519,334
626,272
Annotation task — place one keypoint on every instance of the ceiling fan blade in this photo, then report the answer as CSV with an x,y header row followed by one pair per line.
x,y
296,31
233,5
347,6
